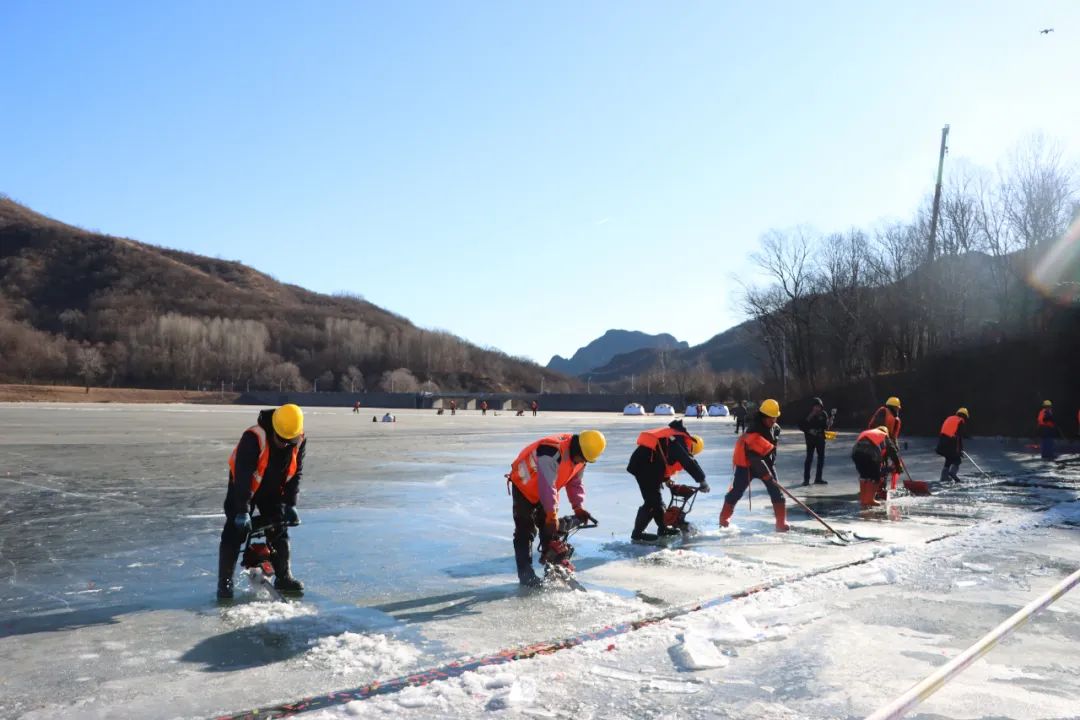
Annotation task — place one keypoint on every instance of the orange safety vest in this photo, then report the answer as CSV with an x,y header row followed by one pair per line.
x,y
891,421
756,442
1045,421
525,474
264,458
876,437
651,439
951,426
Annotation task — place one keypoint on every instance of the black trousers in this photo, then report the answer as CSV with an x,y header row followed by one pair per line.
x,y
869,466
652,502
742,481
232,537
740,424
528,518
814,444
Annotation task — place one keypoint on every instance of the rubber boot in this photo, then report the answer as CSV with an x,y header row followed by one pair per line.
x,y
523,557
227,555
284,582
780,512
640,523
726,513
880,493
867,488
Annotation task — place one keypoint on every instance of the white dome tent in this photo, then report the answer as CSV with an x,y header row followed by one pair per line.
x,y
718,410
633,409
663,409
692,410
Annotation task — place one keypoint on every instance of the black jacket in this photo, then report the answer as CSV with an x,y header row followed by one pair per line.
x,y
274,488
814,426
649,464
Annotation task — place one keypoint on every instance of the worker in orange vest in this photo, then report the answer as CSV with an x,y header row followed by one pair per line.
x,y
874,450
264,473
537,475
1048,430
951,444
755,453
889,416
659,455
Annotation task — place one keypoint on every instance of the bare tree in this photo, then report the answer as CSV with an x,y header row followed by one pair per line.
x,y
91,364
1039,188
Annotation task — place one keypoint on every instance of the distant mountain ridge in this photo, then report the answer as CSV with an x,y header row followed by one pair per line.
x,y
602,350
733,350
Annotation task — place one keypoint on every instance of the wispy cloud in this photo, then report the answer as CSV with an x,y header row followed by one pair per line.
x,y
602,222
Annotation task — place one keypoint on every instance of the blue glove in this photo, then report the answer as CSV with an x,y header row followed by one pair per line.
x,y
291,516
243,522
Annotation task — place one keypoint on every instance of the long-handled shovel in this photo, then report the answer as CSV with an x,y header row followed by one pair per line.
x,y
846,538
915,487
984,474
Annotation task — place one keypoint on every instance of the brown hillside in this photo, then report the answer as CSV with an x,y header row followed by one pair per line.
x,y
151,313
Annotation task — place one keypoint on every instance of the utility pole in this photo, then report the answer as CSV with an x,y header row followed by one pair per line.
x,y
937,194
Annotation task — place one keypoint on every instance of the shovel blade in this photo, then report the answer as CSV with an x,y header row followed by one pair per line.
x,y
917,487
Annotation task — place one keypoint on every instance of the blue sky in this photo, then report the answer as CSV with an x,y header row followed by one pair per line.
x,y
526,175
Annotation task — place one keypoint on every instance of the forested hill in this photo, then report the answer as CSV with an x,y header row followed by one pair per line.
x,y
78,305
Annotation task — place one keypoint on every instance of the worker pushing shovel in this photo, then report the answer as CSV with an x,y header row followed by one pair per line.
x,y
873,453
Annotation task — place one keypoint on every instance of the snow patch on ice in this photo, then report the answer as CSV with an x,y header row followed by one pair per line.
x,y
977,567
735,629
261,613
696,652
871,576
521,692
415,697
614,673
695,561
357,653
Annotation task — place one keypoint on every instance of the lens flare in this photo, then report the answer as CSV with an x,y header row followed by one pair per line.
x,y
1057,273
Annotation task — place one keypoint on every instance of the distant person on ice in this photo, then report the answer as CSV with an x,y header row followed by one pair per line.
x,y
813,427
951,444
453,407
537,475
874,450
535,406
755,453
1048,430
889,416
739,411
661,453
264,473
483,407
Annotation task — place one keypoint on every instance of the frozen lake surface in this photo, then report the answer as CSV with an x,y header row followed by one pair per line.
x,y
108,550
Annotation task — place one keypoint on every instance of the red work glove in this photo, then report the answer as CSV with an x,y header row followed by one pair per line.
x,y
583,515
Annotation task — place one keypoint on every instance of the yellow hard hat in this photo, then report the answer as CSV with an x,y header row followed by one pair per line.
x,y
699,445
770,408
288,421
592,444
882,428
1047,403
893,402
964,412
